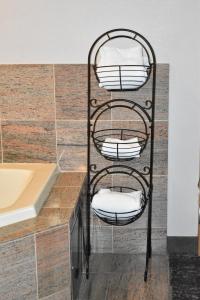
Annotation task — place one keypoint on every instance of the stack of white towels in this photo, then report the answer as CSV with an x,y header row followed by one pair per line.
x,y
133,68
109,203
117,148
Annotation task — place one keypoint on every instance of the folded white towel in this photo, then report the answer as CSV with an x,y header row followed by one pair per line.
x,y
126,78
113,147
117,202
132,72
112,216
120,56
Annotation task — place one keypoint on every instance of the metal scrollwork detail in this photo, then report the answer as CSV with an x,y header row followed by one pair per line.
x,y
93,102
146,171
148,104
93,168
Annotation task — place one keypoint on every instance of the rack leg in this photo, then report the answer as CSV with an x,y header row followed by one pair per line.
x,y
148,255
149,226
149,243
88,245
147,263
89,250
149,247
87,261
145,275
87,270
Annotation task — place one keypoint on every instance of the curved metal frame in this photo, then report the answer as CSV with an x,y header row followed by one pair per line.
x,y
110,105
119,68
126,34
125,170
150,106
121,151
118,169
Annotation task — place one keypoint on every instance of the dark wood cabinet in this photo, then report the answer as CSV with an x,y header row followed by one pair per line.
x,y
77,243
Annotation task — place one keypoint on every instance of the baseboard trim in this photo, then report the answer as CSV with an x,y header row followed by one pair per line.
x,y
182,245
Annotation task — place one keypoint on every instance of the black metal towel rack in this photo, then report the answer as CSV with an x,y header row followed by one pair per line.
x,y
120,78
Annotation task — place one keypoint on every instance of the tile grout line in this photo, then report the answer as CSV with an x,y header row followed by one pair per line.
x,y
36,268
54,294
72,120
80,120
135,120
56,227
15,240
55,112
58,161
61,154
1,141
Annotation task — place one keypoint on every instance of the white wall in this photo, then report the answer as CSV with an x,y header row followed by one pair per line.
x,y
50,31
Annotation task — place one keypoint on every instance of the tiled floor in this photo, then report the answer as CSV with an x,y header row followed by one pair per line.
x,y
120,277
199,242
185,277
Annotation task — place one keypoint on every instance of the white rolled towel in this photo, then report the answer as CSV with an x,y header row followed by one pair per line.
x,y
126,78
111,202
113,147
132,72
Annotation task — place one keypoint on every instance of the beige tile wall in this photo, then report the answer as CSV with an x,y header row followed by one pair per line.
x,y
27,112
35,254
43,111
36,266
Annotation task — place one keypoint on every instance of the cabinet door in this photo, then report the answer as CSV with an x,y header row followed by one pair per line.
x,y
84,216
76,254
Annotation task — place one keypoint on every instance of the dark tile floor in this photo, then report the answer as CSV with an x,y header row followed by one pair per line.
x,y
120,277
185,277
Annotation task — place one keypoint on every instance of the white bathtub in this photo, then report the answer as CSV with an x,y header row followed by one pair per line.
x,y
23,190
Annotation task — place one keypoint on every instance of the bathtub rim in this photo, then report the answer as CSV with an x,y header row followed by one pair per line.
x,y
34,195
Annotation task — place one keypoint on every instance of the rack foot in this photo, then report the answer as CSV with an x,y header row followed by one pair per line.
x,y
89,250
150,252
87,273
145,275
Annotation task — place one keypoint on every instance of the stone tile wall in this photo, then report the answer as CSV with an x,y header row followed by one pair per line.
x,y
27,112
43,112
132,238
36,264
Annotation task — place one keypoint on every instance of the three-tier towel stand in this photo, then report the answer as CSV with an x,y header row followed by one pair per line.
x,y
116,78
